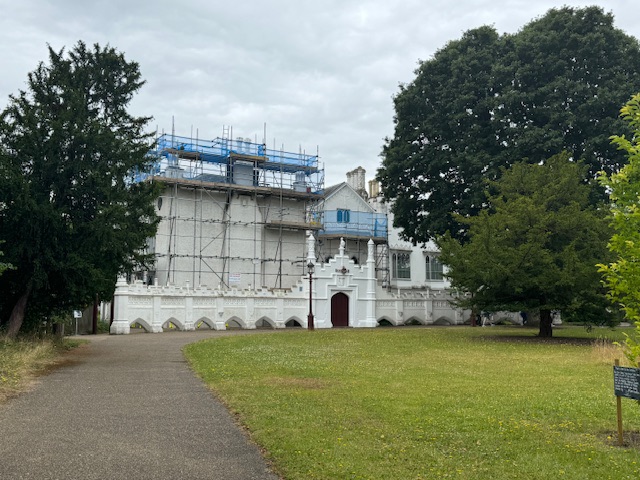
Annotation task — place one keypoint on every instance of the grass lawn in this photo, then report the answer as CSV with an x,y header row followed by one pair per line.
x,y
22,360
426,402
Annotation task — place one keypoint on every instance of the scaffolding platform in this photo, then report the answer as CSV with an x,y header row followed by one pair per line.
x,y
361,225
221,150
234,162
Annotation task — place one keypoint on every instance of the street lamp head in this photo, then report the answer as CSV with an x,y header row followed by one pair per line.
x,y
310,267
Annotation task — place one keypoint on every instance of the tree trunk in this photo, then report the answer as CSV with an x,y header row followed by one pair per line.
x,y
474,317
94,317
17,314
545,324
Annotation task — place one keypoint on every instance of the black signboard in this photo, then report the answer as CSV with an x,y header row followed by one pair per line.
x,y
626,382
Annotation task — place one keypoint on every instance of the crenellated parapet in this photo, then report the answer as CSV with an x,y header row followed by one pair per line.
x,y
155,307
343,294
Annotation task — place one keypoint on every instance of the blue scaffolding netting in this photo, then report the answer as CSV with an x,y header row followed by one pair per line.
x,y
198,158
362,224
220,150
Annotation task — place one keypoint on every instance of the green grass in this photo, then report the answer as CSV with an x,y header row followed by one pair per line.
x,y
22,360
425,403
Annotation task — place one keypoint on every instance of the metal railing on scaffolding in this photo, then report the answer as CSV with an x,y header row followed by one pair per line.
x,y
238,161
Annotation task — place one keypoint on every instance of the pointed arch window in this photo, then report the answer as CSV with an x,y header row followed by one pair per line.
x,y
434,268
401,265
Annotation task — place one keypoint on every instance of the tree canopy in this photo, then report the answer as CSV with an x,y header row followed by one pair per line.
x,y
486,101
71,218
622,275
536,248
4,266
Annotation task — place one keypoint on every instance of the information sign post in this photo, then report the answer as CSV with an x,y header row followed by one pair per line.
x,y
626,383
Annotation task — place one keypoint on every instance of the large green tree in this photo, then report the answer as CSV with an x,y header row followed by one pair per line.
x,y
71,218
486,100
622,276
536,247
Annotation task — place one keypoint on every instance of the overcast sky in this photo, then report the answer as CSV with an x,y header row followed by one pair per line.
x,y
320,74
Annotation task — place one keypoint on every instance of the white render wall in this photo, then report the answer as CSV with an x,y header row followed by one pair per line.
x,y
154,307
417,253
204,241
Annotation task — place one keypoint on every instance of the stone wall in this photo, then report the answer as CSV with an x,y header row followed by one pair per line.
x,y
368,305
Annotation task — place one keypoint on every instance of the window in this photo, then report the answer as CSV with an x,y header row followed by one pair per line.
x,y
434,268
401,265
344,216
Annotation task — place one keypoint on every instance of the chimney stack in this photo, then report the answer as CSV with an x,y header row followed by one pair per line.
x,y
355,179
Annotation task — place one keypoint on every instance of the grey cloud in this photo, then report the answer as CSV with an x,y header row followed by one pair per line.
x,y
317,73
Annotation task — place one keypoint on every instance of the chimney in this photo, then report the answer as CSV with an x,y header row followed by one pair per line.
x,y
355,179
374,188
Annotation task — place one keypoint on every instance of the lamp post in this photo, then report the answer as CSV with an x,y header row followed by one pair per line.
x,y
310,269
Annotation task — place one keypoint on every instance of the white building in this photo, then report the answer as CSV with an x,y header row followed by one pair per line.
x,y
410,266
234,213
239,226
350,212
341,294
347,215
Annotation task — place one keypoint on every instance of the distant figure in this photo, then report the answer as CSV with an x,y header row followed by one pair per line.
x,y
523,315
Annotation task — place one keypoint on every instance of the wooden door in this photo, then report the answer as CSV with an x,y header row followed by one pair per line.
x,y
340,310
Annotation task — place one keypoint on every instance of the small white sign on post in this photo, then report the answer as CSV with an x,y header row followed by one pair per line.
x,y
76,315
235,278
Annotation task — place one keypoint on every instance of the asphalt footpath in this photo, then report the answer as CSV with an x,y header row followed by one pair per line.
x,y
125,407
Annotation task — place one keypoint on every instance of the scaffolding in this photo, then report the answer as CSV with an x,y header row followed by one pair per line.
x,y
238,162
234,213
356,230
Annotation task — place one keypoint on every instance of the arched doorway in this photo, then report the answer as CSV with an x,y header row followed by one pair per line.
x,y
340,310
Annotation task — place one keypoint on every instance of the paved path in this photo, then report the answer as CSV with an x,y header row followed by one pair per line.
x,y
130,408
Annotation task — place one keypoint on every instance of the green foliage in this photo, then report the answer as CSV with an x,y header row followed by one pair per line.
x,y
70,216
537,247
423,403
103,327
4,266
486,100
631,345
622,277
